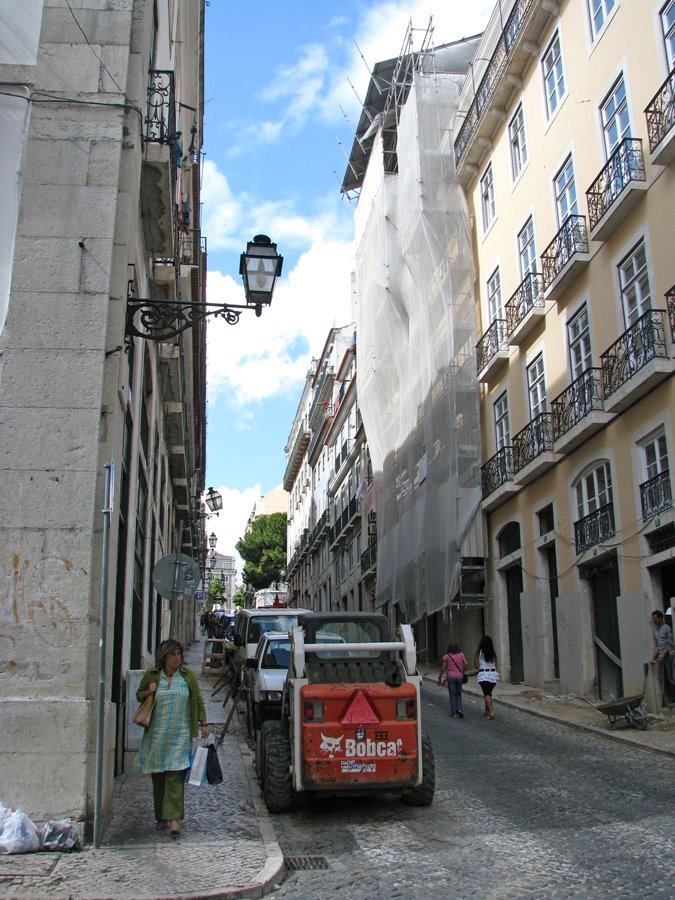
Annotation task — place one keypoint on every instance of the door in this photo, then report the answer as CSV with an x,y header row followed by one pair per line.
x,y
604,591
514,588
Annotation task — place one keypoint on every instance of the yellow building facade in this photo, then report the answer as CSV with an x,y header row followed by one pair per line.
x,y
565,146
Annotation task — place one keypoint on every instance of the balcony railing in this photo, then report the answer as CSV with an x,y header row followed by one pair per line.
x,y
582,397
496,471
656,495
644,341
660,112
670,300
594,528
492,75
625,165
572,238
491,343
369,558
160,116
533,440
528,295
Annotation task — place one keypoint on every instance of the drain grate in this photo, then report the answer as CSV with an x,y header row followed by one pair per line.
x,y
304,863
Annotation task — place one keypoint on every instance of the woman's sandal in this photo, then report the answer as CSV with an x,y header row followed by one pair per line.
x,y
174,827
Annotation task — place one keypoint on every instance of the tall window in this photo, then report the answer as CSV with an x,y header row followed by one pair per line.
x,y
536,387
526,249
487,195
615,118
494,294
579,343
668,25
594,490
517,140
634,281
554,77
655,456
565,192
502,431
599,11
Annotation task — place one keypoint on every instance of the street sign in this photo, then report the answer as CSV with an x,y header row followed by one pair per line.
x,y
175,575
201,596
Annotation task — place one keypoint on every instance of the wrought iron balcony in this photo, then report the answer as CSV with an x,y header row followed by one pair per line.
x,y
569,246
577,401
594,528
656,496
160,116
670,300
493,74
660,114
638,346
492,343
616,188
527,299
496,471
321,400
533,440
369,558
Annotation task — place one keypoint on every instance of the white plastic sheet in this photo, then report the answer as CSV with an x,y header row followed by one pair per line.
x,y
416,376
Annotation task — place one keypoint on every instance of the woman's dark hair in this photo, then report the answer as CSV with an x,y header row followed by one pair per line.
x,y
164,649
453,647
487,648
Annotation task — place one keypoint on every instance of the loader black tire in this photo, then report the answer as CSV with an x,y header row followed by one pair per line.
x,y
423,794
277,787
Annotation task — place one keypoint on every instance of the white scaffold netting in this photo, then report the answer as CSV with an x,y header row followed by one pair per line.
x,y
416,375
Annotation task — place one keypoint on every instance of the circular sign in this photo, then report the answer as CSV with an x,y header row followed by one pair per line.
x,y
176,574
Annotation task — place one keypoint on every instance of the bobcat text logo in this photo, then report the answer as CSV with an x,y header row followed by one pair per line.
x,y
330,745
372,748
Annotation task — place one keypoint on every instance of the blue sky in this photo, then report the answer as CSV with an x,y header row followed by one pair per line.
x,y
282,88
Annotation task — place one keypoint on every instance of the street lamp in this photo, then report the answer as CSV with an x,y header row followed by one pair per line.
x,y
212,561
213,540
160,319
213,500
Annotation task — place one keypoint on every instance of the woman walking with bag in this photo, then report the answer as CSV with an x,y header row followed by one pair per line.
x,y
167,743
485,661
453,666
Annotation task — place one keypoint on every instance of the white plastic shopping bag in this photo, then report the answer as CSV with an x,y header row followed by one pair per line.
x,y
197,774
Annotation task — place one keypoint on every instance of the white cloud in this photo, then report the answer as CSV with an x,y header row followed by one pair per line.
x,y
262,357
230,524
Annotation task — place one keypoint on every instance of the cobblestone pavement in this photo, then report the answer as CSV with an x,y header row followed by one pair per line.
x,y
524,808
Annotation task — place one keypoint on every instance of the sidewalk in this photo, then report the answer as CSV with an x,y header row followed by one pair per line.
x,y
228,847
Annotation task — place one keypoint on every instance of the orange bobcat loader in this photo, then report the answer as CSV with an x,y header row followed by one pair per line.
x,y
350,719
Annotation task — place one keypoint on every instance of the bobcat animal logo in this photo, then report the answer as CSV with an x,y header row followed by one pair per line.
x,y
330,745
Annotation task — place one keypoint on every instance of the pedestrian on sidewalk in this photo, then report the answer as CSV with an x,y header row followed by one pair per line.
x,y
166,745
485,661
662,657
453,666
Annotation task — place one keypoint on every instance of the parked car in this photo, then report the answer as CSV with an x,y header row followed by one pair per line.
x,y
267,675
253,623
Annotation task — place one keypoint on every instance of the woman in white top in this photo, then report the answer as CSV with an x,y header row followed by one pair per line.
x,y
485,661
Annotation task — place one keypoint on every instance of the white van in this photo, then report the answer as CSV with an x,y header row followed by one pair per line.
x,y
253,623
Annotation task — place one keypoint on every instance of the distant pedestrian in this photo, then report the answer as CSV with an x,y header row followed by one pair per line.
x,y
210,625
662,656
167,743
453,666
485,661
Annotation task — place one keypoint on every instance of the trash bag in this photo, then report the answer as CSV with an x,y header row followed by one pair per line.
x,y
18,834
59,835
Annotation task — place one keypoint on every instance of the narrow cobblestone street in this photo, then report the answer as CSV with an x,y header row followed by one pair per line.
x,y
524,807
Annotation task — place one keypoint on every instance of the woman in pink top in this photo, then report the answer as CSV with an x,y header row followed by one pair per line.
x,y
453,665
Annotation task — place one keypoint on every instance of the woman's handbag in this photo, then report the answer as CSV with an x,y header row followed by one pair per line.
x,y
143,714
465,678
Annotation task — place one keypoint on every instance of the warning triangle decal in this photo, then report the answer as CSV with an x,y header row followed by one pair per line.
x,y
360,711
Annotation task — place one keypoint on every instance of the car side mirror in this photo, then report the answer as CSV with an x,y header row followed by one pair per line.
x,y
251,663
237,641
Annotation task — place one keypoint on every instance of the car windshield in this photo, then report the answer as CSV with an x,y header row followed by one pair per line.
x,y
262,624
277,654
